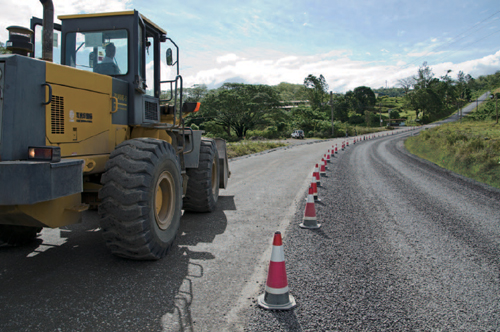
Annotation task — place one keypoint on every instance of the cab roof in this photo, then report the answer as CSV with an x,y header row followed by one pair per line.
x,y
123,13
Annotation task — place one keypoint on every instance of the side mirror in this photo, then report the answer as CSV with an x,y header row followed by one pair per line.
x,y
169,57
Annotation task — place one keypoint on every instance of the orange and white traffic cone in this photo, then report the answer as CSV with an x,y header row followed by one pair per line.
x,y
322,169
336,148
314,186
277,296
323,160
316,175
328,157
309,220
332,151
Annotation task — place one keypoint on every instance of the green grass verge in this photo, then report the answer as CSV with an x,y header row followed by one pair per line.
x,y
470,148
244,148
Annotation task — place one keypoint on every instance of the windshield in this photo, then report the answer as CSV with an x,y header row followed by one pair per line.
x,y
103,52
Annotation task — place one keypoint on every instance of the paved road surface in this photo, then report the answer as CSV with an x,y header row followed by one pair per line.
x,y
69,281
404,246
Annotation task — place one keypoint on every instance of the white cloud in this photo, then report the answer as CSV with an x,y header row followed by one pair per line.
x,y
231,57
340,72
484,66
20,12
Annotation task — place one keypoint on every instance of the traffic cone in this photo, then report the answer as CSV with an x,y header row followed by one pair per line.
x,y
277,295
314,185
309,220
343,145
332,151
322,169
347,143
354,141
328,157
316,175
336,151
324,161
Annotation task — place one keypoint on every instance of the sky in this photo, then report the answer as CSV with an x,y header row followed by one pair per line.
x,y
351,43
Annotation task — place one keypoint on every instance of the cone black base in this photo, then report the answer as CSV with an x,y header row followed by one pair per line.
x,y
266,301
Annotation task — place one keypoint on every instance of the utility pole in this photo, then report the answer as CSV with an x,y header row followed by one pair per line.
x,y
496,105
331,105
461,112
380,114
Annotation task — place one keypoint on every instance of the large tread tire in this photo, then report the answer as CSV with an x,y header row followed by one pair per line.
x,y
18,235
203,182
141,199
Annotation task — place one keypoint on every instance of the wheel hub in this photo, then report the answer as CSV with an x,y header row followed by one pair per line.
x,y
164,203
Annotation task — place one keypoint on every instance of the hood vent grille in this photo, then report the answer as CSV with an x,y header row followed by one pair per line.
x,y
57,115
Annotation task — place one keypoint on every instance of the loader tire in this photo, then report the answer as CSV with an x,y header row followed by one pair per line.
x,y
203,182
18,235
141,199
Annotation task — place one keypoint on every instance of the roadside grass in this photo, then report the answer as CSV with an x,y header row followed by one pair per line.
x,y
470,148
246,147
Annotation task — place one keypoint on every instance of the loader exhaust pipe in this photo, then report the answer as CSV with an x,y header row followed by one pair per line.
x,y
48,30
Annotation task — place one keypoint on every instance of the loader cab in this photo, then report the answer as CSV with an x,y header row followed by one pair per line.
x,y
125,46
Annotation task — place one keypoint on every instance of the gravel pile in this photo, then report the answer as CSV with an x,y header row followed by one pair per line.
x,y
350,275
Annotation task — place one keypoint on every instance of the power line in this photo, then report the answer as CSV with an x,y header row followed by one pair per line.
x,y
471,43
453,40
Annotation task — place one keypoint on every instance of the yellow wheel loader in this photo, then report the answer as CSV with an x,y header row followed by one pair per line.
x,y
99,130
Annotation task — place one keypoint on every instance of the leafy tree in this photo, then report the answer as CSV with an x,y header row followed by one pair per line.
x,y
3,49
317,90
196,93
424,77
362,98
393,114
289,92
241,107
425,101
391,92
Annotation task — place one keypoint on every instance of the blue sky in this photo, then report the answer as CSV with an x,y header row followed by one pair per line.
x,y
351,43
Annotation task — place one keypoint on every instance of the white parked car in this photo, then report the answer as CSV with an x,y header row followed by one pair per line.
x,y
298,134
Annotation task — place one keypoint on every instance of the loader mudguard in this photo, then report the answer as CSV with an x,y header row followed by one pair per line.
x,y
223,163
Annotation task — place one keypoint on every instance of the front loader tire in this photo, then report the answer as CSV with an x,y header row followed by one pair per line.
x,y
141,199
203,182
18,235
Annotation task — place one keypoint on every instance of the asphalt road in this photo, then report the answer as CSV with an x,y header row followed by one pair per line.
x,y
68,281
466,110
404,245
434,236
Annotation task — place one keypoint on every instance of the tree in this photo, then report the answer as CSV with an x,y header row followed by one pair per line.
x,y
196,93
317,90
424,77
289,92
425,101
241,107
364,99
3,49
407,83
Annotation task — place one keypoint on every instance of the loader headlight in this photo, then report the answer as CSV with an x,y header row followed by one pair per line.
x,y
44,153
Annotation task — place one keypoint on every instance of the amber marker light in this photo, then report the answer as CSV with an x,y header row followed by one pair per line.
x,y
44,153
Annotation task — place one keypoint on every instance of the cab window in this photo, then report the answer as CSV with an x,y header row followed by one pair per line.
x,y
103,52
